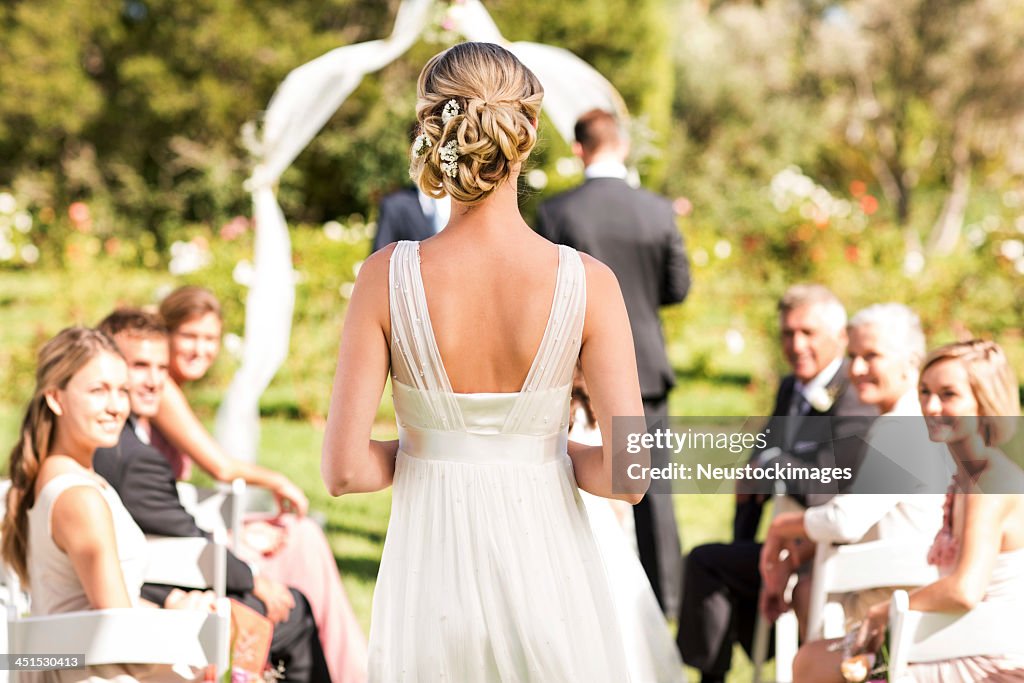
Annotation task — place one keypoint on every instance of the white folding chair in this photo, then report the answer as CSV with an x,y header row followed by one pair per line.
x,y
787,630
855,567
141,635
188,562
219,508
990,629
129,635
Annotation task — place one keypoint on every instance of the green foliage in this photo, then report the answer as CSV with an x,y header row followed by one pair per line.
x,y
136,108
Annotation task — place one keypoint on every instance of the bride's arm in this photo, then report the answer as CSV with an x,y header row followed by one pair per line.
x,y
351,462
609,367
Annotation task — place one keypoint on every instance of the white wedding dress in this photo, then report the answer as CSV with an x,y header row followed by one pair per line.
x,y
489,571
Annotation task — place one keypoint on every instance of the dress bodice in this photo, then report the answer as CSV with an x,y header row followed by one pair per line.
x,y
433,418
55,587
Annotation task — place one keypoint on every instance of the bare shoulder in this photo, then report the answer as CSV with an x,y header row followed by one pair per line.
x,y
376,266
601,281
79,504
370,296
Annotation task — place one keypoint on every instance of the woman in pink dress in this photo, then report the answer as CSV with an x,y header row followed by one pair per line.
x,y
290,548
969,397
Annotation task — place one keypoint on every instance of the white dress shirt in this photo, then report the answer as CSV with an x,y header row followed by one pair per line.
x,y
861,517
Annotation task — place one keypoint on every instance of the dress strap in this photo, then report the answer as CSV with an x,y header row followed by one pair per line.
x,y
415,359
559,349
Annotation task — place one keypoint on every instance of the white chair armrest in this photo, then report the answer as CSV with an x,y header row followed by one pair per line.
x,y
861,566
990,629
129,636
188,562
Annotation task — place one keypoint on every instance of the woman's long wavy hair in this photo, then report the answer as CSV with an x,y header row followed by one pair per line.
x,y
59,360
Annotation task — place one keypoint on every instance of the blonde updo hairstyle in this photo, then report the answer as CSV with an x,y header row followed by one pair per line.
x,y
498,103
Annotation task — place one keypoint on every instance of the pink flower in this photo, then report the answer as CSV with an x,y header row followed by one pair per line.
x,y
78,212
234,228
682,206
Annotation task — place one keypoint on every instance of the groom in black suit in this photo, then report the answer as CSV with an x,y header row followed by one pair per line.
x,y
634,233
818,421
144,480
407,214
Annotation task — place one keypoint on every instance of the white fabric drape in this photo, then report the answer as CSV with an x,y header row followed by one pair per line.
x,y
303,103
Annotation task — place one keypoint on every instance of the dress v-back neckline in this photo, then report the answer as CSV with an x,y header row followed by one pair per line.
x,y
431,338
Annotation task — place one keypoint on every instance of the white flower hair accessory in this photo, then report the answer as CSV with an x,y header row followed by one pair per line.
x,y
450,159
421,144
821,399
450,111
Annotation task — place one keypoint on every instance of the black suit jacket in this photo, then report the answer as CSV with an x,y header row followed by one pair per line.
x,y
402,218
145,482
634,233
830,438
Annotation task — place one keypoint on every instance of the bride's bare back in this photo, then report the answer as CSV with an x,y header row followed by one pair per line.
x,y
488,308
488,279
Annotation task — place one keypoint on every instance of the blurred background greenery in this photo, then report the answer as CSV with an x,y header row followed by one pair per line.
x,y
874,146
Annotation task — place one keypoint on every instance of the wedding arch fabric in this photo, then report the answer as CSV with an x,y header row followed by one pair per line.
x,y
303,103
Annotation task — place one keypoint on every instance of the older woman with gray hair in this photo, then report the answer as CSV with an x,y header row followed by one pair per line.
x,y
886,347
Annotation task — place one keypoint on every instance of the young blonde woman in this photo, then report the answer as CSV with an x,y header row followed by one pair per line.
x,y
290,547
66,533
490,571
970,400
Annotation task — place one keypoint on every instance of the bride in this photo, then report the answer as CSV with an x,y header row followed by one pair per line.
x,y
489,570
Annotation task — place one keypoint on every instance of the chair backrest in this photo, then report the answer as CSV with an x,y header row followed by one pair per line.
x,y
129,636
188,562
787,630
990,629
862,566
219,508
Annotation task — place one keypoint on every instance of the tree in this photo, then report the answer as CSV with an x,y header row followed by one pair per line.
x,y
927,85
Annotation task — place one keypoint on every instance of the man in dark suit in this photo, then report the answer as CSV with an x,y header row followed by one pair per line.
x,y
408,214
144,480
634,233
817,422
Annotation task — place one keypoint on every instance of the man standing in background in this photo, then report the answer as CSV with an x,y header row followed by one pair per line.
x,y
634,233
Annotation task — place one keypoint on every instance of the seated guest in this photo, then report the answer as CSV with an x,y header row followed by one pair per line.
x,y
812,326
721,581
144,480
290,548
886,347
66,533
969,397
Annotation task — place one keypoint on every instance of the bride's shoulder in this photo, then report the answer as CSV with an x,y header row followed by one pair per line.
x,y
601,281
372,278
376,265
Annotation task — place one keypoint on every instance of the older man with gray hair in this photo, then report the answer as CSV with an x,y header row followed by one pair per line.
x,y
812,325
722,581
886,348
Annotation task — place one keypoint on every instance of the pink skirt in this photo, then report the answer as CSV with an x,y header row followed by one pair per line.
x,y
305,562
